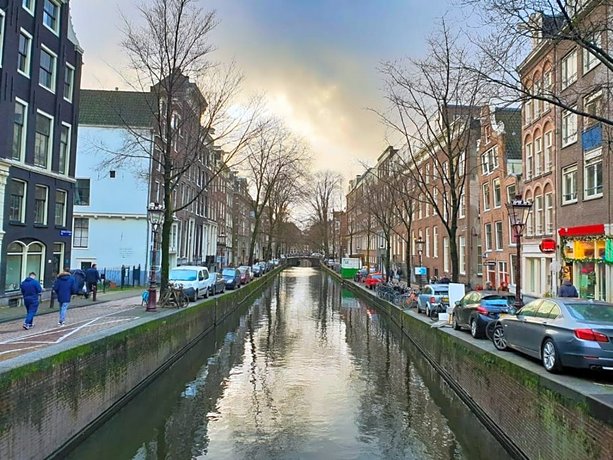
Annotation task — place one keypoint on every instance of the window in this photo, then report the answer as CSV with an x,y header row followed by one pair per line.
x,y
593,177
446,254
510,193
538,155
529,160
547,88
489,160
28,5
22,259
499,241
48,62
462,210
538,214
435,242
486,197
19,130
81,196
589,59
428,242
80,232
1,35
549,213
569,184
488,237
64,153
42,140
17,204
51,15
68,82
40,204
24,53
497,193
592,104
60,207
503,272
569,69
547,160
569,128
462,253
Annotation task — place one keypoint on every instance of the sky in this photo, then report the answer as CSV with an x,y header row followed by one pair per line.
x,y
315,61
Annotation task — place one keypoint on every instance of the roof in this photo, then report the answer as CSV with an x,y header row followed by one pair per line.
x,y
116,108
511,118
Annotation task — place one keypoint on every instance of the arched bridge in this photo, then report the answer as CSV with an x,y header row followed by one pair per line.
x,y
303,261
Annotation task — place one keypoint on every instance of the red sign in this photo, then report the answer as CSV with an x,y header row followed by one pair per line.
x,y
548,246
584,230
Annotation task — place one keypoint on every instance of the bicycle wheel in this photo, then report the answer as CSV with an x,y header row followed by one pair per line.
x,y
182,300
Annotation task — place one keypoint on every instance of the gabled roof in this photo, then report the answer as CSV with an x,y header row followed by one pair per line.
x,y
117,108
511,118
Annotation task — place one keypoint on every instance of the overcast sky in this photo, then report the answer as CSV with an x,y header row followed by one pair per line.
x,y
315,60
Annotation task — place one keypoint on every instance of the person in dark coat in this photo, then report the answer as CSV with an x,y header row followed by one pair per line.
x,y
64,287
30,289
567,289
91,280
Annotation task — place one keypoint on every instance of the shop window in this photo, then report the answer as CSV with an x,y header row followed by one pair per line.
x,y
22,259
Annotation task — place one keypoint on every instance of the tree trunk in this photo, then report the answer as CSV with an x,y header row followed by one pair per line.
x,y
387,257
453,253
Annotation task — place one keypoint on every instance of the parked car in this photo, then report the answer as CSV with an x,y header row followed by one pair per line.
x,y
218,286
479,308
195,280
433,299
372,280
561,332
257,270
245,274
232,277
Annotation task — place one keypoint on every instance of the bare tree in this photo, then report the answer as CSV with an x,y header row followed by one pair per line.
x,y
403,206
322,198
188,100
272,158
381,206
434,103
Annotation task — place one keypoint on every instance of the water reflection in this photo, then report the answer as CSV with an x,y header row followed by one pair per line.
x,y
308,372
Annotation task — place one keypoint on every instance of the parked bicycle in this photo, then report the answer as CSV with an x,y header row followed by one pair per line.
x,y
174,296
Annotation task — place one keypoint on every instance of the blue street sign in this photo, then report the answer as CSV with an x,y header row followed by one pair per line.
x,y
420,271
65,232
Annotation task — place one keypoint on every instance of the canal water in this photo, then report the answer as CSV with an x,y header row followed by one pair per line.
x,y
305,372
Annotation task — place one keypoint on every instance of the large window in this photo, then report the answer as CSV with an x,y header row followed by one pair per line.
x,y
42,140
529,160
538,155
592,104
60,207
51,15
22,259
28,5
428,242
48,64
486,197
435,242
569,69
462,253
538,214
64,153
510,193
80,232
488,237
593,176
589,59
499,241
569,128
547,160
446,254
489,160
17,201
40,204
24,53
19,130
549,213
68,82
81,196
569,184
497,193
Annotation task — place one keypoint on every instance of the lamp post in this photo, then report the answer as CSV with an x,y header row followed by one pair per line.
x,y
518,210
420,246
155,215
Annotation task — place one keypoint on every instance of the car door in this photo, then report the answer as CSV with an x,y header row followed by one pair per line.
x,y
514,325
535,327
472,299
423,296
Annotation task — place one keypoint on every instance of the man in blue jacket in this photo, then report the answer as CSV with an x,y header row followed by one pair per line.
x,y
64,287
91,280
30,289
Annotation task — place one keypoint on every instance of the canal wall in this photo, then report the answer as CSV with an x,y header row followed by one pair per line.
x,y
52,398
533,415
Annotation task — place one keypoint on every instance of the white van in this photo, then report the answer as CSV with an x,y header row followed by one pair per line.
x,y
195,280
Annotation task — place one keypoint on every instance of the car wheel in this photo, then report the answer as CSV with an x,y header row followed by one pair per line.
x,y
550,357
500,341
456,326
475,330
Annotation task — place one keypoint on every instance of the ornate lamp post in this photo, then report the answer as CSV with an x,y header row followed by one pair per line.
x,y
420,249
518,210
155,215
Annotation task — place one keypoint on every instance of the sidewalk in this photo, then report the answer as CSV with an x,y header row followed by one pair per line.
x,y
13,313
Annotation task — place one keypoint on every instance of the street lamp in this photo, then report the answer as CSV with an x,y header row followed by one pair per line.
x,y
420,246
518,210
155,215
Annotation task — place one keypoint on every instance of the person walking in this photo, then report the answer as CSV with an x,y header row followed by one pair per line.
x,y
30,289
91,280
567,289
64,287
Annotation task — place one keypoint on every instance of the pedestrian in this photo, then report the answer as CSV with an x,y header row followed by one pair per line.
x,y
64,287
30,289
91,280
567,289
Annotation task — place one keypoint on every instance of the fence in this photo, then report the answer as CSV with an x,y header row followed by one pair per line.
x,y
124,276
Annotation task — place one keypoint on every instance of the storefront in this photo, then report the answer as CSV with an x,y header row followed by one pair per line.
x,y
587,253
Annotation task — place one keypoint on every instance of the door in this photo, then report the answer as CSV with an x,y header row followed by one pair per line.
x,y
534,328
514,326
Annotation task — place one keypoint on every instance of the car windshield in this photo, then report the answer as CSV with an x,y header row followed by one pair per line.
x,y
182,275
441,291
229,272
597,313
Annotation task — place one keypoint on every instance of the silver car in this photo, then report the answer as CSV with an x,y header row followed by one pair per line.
x,y
561,332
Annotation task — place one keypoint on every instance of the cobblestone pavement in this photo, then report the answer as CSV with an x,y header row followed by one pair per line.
x,y
81,320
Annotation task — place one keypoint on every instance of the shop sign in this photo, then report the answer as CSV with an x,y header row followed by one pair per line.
x,y
608,251
548,246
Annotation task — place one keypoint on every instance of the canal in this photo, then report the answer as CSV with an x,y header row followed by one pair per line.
x,y
306,371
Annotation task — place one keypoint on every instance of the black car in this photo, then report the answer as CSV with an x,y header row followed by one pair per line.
x,y
479,308
218,286
232,277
